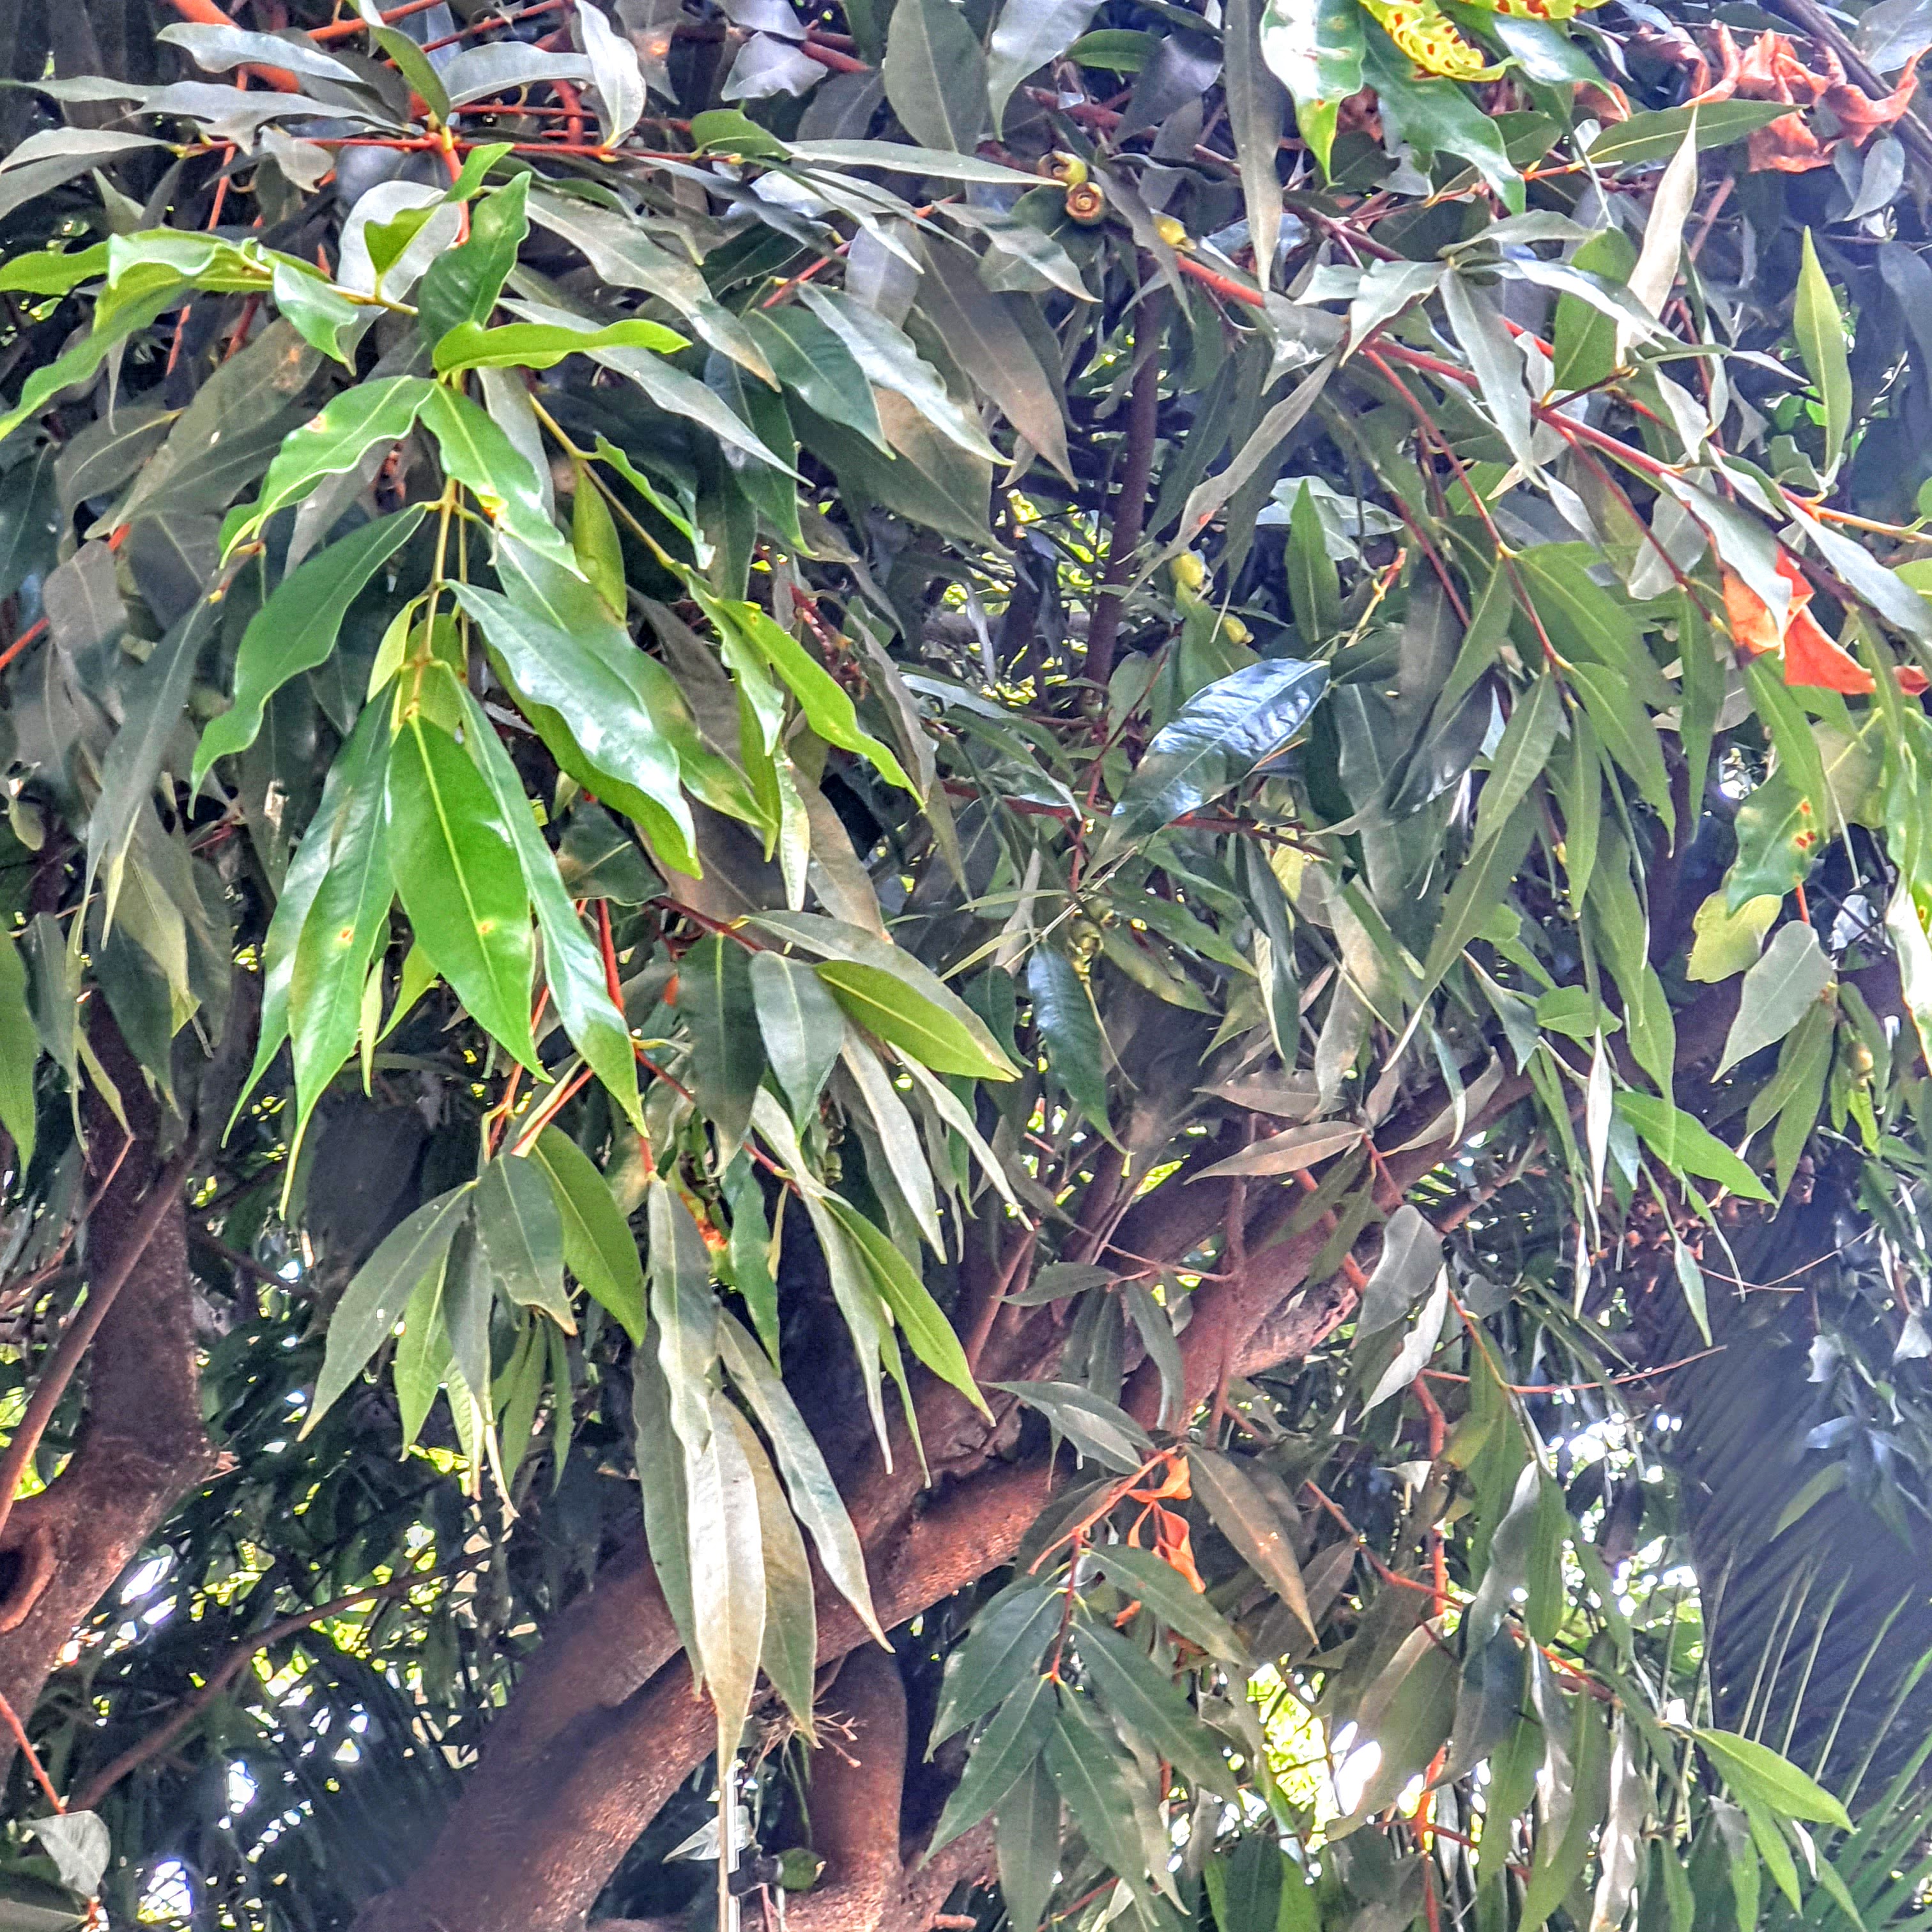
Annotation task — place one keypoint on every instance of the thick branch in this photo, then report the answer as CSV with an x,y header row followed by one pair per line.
x,y
143,1445
584,1800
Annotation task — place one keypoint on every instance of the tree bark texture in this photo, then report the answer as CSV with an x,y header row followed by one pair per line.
x,y
141,1446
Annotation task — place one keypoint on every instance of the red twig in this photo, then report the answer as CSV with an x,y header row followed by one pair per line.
x,y
34,1764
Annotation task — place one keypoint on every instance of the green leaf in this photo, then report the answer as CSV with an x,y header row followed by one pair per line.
x,y
1162,1589
1778,993
480,456
1092,1775
1479,887
813,1494
414,66
789,1653
935,75
1028,1845
1522,756
802,1025
1758,1773
1656,135
983,332
1690,1279
1820,330
1438,117
1726,942
536,345
925,1328
1028,33
573,966
346,925
1626,731
1244,1884
715,1000
1000,1756
1141,1698
888,356
1099,1430
79,362
598,1247
463,284
1255,114
520,1237
1214,742
456,872
591,714
810,359
296,629
827,705
1063,1014
1002,1649
728,1602
1686,1147
422,1358
366,1316
1245,1517
1585,338
1779,840
1314,588
660,1460
359,420
750,1258
20,1047
1314,48
669,387
324,317
884,988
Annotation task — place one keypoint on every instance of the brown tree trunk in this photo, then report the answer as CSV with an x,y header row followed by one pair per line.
x,y
143,1445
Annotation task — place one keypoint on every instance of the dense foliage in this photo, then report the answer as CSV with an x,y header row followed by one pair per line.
x,y
1091,836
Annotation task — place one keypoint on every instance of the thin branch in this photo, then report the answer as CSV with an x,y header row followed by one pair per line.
x,y
238,1660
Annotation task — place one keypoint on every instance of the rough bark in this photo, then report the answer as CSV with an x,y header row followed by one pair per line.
x,y
143,1445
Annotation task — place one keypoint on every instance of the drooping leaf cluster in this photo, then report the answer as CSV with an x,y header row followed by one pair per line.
x,y
1179,746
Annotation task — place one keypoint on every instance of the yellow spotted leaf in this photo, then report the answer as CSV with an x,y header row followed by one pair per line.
x,y
1426,34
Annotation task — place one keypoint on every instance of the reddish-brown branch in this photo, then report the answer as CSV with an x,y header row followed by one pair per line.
x,y
1130,504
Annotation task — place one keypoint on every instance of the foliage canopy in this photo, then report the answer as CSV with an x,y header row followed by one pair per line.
x,y
1051,878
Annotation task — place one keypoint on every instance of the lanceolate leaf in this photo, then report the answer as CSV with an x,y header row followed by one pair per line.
x,y
520,1237
18,1052
1006,1646
365,418
1063,1012
372,1303
1821,340
807,1481
1220,735
728,1600
1027,34
347,922
598,1246
598,726
296,629
886,989
715,997
1686,1147
573,968
802,1025
935,75
1777,992
456,872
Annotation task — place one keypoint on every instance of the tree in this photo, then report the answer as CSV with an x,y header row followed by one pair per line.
x,y
1055,890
